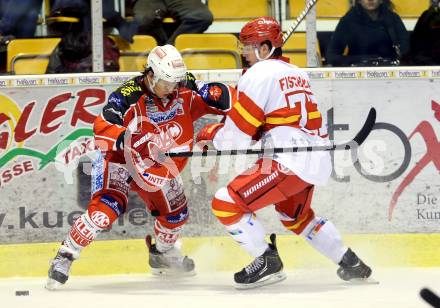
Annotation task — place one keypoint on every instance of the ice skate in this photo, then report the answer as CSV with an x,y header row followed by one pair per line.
x,y
60,267
264,270
169,263
352,269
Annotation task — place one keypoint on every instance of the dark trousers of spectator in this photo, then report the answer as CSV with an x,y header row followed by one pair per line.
x,y
192,16
3,60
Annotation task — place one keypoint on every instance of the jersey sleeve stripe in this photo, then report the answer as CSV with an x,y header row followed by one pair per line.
x,y
314,115
246,115
241,123
281,120
250,106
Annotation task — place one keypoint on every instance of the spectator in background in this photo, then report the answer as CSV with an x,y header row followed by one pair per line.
x,y
74,52
16,21
81,9
192,16
19,20
373,34
425,39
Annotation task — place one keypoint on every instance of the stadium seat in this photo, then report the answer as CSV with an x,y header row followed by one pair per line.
x,y
410,8
134,56
239,10
296,49
325,8
30,56
209,51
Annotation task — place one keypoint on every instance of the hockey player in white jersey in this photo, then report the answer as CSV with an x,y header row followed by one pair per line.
x,y
276,105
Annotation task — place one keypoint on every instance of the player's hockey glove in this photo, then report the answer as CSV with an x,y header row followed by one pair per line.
x,y
208,132
143,149
215,94
190,82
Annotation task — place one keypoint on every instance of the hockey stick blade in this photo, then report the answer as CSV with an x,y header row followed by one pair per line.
x,y
360,137
367,128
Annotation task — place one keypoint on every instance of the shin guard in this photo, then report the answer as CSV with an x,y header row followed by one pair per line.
x,y
165,237
325,238
84,231
249,233
101,213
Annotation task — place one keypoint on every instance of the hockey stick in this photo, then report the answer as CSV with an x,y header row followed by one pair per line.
x,y
356,141
430,297
299,19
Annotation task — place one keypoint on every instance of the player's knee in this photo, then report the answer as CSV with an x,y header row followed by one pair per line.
x,y
299,224
201,16
224,207
223,194
175,219
106,209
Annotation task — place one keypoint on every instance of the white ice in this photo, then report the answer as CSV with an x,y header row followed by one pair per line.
x,y
398,288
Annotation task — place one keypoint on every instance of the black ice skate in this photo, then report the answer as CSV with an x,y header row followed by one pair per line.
x,y
169,263
264,270
60,267
353,269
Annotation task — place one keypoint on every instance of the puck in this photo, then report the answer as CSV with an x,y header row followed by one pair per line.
x,y
22,293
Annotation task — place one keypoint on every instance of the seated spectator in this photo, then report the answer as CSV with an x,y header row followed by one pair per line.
x,y
74,53
16,21
372,33
81,9
19,21
192,16
425,39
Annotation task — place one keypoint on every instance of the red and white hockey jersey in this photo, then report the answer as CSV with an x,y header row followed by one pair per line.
x,y
274,99
172,117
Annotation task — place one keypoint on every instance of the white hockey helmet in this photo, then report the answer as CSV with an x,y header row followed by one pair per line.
x,y
167,64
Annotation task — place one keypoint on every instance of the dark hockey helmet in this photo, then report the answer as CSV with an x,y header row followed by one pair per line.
x,y
262,29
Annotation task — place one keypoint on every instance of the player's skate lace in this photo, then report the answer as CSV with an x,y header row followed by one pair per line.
x,y
60,267
352,267
255,265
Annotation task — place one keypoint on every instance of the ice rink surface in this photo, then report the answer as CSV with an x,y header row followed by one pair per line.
x,y
398,287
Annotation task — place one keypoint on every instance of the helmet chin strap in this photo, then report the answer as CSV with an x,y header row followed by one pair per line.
x,y
257,54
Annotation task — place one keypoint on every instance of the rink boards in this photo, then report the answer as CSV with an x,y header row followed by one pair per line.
x,y
215,254
391,195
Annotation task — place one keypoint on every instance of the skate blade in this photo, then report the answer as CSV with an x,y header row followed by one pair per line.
x,y
168,272
363,281
52,284
268,280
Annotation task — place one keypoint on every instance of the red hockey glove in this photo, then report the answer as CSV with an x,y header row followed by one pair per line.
x,y
144,149
208,132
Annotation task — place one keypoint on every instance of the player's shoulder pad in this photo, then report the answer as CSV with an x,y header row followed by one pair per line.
x,y
130,90
217,95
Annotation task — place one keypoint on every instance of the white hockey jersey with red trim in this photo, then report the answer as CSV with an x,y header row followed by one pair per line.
x,y
274,100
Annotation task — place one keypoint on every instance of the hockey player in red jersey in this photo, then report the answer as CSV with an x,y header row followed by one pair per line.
x,y
154,110
275,104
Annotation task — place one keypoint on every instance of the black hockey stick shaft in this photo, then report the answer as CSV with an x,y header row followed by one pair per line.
x,y
356,141
430,297
299,19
